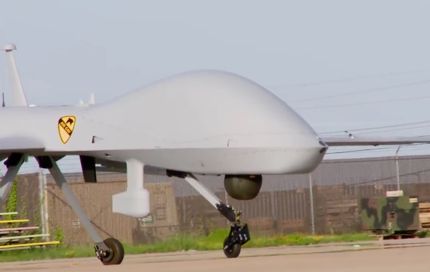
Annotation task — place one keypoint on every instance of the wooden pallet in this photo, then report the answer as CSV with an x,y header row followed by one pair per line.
x,y
399,236
8,213
17,238
14,236
424,214
14,221
17,230
28,245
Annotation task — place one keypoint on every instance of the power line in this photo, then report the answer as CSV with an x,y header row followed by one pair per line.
x,y
396,129
356,78
379,127
395,100
371,90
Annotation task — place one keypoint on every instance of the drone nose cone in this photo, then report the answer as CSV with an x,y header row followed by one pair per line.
x,y
324,146
304,155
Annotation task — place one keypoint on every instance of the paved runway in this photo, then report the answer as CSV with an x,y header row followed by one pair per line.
x,y
400,255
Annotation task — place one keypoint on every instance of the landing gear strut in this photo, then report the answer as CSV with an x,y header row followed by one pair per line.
x,y
13,163
109,251
239,233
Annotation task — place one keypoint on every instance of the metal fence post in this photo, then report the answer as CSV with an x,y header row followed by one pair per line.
x,y
43,200
311,200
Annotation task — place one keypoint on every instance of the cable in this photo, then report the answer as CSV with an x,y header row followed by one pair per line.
x,y
348,79
365,103
379,127
395,129
371,90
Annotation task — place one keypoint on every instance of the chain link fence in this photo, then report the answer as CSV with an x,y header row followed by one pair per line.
x,y
284,204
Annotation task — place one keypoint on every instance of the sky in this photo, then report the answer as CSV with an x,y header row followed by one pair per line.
x,y
342,65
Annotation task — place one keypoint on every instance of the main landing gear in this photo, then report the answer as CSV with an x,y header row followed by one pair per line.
x,y
239,233
109,251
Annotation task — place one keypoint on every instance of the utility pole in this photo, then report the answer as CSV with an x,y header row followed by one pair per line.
x,y
398,168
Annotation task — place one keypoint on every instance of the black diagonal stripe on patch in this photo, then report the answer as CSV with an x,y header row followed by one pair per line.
x,y
66,128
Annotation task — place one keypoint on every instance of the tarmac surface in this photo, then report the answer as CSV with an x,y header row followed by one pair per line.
x,y
395,255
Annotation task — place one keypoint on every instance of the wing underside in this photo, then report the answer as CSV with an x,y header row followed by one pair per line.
x,y
369,141
20,144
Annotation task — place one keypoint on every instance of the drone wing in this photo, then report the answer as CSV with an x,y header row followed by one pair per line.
x,y
369,141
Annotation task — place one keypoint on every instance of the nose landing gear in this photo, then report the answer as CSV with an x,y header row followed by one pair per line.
x,y
239,233
238,236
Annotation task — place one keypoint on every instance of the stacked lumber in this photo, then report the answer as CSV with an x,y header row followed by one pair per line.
x,y
424,214
17,234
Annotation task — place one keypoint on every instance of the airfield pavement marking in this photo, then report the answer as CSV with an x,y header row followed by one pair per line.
x,y
381,256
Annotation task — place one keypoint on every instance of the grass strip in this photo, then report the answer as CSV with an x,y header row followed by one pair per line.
x,y
182,242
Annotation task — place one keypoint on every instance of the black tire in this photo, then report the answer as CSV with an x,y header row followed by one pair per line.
x,y
117,252
231,251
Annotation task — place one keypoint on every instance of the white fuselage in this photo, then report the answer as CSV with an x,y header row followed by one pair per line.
x,y
202,122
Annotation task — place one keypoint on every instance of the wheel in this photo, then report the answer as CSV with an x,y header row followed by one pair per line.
x,y
232,251
116,254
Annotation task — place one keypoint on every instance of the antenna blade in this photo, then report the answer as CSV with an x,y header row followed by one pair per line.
x,y
17,97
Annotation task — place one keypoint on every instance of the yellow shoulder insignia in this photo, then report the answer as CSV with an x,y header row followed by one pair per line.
x,y
66,124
